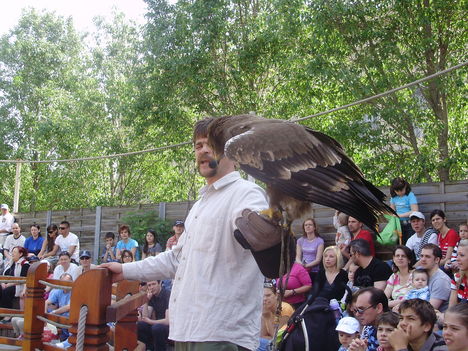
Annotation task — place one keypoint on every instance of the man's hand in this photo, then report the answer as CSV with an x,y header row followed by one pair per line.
x,y
399,339
116,269
358,345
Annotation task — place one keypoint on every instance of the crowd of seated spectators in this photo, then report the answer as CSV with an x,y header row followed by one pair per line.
x,y
417,301
60,249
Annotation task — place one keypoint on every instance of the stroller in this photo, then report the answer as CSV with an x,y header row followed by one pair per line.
x,y
312,326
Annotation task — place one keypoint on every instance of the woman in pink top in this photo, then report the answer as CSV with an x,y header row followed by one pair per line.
x,y
448,238
297,286
309,248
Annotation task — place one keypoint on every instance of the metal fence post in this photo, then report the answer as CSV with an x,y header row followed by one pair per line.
x,y
97,234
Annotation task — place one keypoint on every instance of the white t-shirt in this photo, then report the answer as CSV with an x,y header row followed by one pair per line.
x,y
11,242
414,242
73,270
6,221
65,243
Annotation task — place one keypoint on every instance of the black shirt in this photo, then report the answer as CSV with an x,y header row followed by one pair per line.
x,y
160,303
376,271
334,290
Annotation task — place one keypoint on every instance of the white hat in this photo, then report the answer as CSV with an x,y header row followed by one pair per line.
x,y
4,207
348,325
417,214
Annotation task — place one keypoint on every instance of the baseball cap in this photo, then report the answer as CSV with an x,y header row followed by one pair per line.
x,y
4,207
178,222
348,325
85,253
417,214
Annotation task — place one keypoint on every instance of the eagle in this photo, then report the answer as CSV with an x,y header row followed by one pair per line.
x,y
299,165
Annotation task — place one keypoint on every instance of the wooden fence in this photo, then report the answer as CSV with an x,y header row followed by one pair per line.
x,y
91,224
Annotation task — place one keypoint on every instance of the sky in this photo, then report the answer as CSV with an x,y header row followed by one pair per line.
x,y
82,11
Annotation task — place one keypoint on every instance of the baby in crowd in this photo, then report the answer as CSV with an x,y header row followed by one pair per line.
x,y
348,330
340,222
351,270
421,289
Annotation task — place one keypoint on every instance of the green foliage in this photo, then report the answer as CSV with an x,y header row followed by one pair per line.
x,y
140,222
123,88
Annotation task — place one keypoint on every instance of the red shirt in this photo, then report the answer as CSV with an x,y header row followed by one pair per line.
x,y
451,239
364,234
462,289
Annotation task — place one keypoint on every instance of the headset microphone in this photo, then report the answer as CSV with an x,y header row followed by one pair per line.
x,y
213,164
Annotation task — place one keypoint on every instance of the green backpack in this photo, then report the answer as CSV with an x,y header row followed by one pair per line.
x,y
391,233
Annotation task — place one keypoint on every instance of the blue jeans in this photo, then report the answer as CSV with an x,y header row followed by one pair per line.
x,y
154,336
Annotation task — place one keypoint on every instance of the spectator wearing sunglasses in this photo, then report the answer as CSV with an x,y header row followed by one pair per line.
x,y
49,250
68,241
85,262
370,304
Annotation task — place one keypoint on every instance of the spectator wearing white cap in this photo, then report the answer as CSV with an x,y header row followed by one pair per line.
x,y
421,236
6,221
348,329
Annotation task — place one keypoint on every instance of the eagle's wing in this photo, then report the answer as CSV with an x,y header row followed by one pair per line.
x,y
307,165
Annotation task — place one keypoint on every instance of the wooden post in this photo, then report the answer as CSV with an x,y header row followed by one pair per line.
x,y
125,335
93,289
34,306
17,188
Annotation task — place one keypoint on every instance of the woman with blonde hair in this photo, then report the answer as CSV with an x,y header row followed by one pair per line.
x,y
332,278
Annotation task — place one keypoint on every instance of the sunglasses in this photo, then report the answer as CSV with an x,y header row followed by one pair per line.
x,y
362,310
62,228
85,258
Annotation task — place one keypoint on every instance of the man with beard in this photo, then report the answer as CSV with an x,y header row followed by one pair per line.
x,y
216,298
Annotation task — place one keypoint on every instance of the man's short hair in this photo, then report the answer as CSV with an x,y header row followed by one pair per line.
x,y
422,308
200,130
361,246
436,251
65,223
377,296
64,253
110,235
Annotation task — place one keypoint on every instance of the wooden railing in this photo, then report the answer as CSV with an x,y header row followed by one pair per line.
x,y
90,301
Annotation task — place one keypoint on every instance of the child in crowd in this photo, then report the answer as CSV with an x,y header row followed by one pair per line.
x,y
340,222
403,201
386,323
348,330
415,329
109,253
127,243
421,289
456,327
351,270
463,234
126,257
